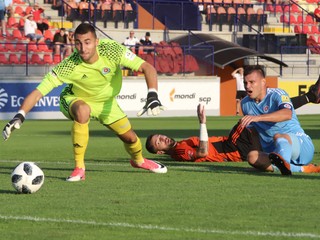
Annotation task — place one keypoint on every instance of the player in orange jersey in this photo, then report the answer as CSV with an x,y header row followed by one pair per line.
x,y
232,148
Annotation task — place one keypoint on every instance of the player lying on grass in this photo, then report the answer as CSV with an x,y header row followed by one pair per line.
x,y
233,148
93,77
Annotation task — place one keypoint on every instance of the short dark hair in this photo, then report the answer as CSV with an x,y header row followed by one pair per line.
x,y
253,68
149,147
84,28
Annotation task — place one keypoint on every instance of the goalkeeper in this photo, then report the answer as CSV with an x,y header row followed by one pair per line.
x,y
94,78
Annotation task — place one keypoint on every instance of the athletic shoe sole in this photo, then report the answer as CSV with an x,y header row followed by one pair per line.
x,y
161,169
280,163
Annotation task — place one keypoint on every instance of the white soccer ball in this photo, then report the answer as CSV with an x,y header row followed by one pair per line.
x,y
27,177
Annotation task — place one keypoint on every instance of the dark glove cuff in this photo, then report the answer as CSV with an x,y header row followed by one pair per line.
x,y
20,117
152,95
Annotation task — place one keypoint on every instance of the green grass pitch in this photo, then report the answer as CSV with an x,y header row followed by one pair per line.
x,y
191,201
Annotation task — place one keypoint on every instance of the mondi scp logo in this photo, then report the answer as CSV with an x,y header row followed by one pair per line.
x,y
3,98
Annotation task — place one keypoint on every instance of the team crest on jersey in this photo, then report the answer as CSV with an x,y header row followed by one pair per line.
x,y
105,70
285,98
265,108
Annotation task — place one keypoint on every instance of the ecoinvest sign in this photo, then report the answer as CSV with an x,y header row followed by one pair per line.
x,y
12,94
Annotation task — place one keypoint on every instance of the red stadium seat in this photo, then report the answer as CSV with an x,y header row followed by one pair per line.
x,y
314,29
10,46
35,59
13,58
284,19
3,59
306,30
292,19
19,11
295,9
23,58
2,48
297,29
47,58
32,47
56,59
20,46
17,35
309,19
48,35
12,22
42,47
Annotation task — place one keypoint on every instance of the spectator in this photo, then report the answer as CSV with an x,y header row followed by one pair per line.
x,y
61,44
131,41
30,28
8,4
5,5
38,18
241,92
147,43
316,13
71,38
3,22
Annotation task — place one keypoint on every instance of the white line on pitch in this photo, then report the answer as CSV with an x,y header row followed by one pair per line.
x,y
162,228
90,163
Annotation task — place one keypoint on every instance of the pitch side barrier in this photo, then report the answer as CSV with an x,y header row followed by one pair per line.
x,y
180,96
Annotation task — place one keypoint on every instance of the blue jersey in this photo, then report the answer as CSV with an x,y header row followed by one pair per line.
x,y
275,99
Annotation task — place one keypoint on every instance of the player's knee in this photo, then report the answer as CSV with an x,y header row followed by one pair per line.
x,y
279,135
129,137
81,112
252,157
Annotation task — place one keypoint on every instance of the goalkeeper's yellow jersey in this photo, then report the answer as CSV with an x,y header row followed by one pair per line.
x,y
95,82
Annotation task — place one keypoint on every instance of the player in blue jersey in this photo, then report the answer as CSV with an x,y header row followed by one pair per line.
x,y
271,113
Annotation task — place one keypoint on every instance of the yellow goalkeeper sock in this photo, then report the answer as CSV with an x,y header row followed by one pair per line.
x,y
80,138
135,151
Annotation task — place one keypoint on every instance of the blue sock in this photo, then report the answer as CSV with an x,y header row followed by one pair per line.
x,y
284,148
295,168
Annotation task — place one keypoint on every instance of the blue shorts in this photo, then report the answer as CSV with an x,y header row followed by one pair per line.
x,y
34,36
302,149
2,12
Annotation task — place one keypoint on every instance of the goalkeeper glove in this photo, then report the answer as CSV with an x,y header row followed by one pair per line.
x,y
15,123
153,106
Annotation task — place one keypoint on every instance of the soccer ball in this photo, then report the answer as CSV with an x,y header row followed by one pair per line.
x,y
27,177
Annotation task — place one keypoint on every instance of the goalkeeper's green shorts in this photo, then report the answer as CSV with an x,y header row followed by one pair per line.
x,y
107,113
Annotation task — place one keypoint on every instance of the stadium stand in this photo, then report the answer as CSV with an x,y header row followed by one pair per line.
x,y
252,14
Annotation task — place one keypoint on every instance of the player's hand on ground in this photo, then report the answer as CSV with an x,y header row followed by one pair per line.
x,y
201,113
153,105
15,123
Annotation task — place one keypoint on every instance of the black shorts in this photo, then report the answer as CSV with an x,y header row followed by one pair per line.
x,y
241,94
244,140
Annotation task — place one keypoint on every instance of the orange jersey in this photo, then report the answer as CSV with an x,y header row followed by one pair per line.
x,y
185,150
233,148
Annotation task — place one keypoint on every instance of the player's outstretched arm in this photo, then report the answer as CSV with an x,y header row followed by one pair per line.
x,y
19,118
153,105
202,151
